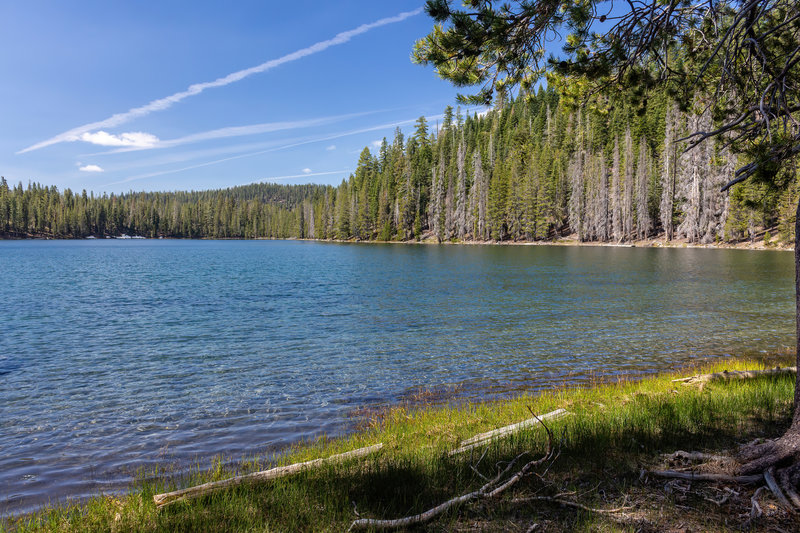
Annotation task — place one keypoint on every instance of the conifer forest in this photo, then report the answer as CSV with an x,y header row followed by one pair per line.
x,y
528,170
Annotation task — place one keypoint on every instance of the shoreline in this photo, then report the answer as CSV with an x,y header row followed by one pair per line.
x,y
572,240
758,245
417,438
362,418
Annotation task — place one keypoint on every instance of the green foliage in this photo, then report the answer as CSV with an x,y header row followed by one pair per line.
x,y
742,56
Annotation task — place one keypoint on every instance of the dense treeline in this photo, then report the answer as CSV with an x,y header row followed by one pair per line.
x,y
527,170
252,211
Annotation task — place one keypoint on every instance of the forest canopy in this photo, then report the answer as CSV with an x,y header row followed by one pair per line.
x,y
529,169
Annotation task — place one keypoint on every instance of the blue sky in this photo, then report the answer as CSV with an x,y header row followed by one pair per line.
x,y
168,95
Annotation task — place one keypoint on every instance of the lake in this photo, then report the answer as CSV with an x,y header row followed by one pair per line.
x,y
122,354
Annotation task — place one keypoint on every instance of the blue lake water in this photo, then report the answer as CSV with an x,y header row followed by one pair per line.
x,y
117,355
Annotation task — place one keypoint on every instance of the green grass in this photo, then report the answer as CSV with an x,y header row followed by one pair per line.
x,y
614,430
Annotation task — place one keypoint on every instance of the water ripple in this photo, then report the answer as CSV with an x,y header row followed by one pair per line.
x,y
122,355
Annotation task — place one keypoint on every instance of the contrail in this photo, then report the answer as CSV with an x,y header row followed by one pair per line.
x,y
238,131
304,175
197,88
268,150
275,149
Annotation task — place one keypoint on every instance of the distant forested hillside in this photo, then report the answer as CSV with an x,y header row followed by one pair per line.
x,y
527,170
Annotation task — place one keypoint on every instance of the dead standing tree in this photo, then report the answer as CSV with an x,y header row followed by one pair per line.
x,y
742,57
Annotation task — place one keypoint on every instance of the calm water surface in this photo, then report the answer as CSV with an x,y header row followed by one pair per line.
x,y
117,355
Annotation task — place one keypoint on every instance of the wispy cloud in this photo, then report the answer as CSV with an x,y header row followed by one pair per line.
x,y
197,88
306,174
136,139
331,148
386,126
90,168
221,133
306,171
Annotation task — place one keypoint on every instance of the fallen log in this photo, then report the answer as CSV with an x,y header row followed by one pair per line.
x,y
698,476
486,438
569,503
736,374
206,488
694,456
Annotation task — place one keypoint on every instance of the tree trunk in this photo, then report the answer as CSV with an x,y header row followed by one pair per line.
x,y
786,449
796,418
616,211
627,194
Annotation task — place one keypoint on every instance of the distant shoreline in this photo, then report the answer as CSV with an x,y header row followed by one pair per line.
x,y
573,241
570,240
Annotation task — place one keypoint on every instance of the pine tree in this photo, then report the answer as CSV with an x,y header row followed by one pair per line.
x,y
480,193
576,183
668,171
693,165
342,217
642,183
576,193
461,191
627,188
437,199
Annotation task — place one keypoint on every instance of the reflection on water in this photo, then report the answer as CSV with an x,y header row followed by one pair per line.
x,y
116,355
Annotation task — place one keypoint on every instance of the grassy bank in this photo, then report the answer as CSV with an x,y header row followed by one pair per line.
x,y
614,431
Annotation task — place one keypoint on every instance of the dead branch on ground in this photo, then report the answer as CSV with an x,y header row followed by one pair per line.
x,y
697,476
694,456
486,438
736,374
569,503
491,489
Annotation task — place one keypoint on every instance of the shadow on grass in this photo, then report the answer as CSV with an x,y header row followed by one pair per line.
x,y
613,431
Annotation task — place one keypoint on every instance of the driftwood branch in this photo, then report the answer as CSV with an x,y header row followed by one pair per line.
x,y
696,476
569,503
755,509
788,489
207,488
736,374
485,438
694,456
491,489
781,487
427,516
772,483
487,491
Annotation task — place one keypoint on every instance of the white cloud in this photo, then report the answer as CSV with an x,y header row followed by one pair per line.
x,y
306,171
137,139
331,147
91,168
376,144
197,88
